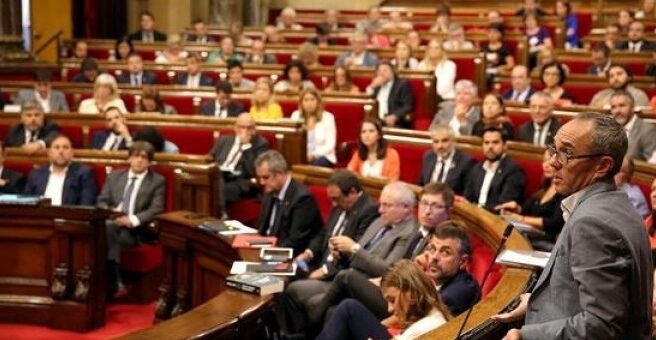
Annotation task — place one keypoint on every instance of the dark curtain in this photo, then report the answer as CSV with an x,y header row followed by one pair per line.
x,y
99,18
10,17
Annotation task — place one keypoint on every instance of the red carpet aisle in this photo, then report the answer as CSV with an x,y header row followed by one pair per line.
x,y
121,319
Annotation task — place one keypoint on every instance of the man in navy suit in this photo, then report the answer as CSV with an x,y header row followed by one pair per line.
x,y
521,89
200,33
394,96
147,32
34,131
63,181
444,163
542,127
496,179
222,106
637,42
116,136
11,182
194,78
136,75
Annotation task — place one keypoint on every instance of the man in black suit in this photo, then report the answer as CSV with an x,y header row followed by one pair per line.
x,y
116,136
637,42
89,70
521,89
147,32
353,211
394,96
497,179
235,155
543,125
194,78
600,60
138,194
34,132
11,182
63,181
289,211
444,163
136,75
200,33
223,106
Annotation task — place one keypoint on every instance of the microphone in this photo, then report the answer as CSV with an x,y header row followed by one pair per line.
x,y
504,238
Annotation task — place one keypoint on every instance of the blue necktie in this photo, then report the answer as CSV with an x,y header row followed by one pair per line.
x,y
127,196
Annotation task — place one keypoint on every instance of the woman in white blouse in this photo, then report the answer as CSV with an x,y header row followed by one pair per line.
x,y
436,60
320,126
105,94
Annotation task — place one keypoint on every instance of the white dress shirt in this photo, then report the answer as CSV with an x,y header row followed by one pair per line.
x,y
193,81
443,165
221,112
490,169
540,133
45,102
234,156
372,170
382,97
112,139
133,197
55,187
629,125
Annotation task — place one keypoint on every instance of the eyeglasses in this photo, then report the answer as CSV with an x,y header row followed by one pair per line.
x,y
564,157
431,206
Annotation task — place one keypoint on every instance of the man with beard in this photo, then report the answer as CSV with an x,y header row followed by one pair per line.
x,y
496,179
642,143
116,136
619,78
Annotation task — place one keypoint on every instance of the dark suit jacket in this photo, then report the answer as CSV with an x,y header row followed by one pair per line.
x,y
401,100
509,94
645,47
157,35
246,163
526,131
79,184
507,184
298,221
204,80
16,134
147,78
15,181
358,220
99,138
458,173
234,108
460,292
192,38
80,78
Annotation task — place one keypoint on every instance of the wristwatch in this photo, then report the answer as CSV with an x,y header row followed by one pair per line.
x,y
355,248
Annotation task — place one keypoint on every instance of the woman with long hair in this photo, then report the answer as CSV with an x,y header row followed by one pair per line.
x,y
564,12
437,60
342,81
494,114
374,157
403,58
122,49
320,127
263,102
412,300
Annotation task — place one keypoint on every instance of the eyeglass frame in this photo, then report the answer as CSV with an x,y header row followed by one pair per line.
x,y
432,206
562,158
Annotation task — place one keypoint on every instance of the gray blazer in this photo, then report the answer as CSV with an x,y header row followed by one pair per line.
x,y
598,281
57,99
445,114
642,140
391,248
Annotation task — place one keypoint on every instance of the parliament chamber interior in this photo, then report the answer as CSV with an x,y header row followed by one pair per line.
x,y
131,129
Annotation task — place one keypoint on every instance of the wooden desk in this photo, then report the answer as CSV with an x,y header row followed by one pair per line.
x,y
52,271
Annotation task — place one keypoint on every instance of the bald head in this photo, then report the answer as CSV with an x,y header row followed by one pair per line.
x,y
519,78
245,128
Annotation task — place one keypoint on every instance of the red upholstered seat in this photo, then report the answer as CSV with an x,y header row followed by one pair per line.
x,y
245,211
518,118
201,143
481,257
320,194
74,133
412,155
142,258
533,171
169,175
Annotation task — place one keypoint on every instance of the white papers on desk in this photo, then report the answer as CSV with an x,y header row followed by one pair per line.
x,y
237,228
524,258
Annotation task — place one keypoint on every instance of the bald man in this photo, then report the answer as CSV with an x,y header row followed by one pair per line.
x,y
235,154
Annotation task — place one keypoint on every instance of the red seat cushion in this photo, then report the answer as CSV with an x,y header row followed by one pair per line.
x,y
482,255
245,211
142,258
200,144
320,194
533,171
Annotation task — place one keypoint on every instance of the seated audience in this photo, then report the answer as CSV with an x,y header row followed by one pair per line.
x,y
538,38
462,113
442,19
257,54
377,38
542,127
226,52
199,34
496,179
331,17
235,155
236,77
494,17
493,115
437,61
374,157
49,99
271,35
456,39
521,90
342,82
444,163
80,50
147,32
194,77
294,78
263,102
174,53
138,194
323,37
415,306
122,49
357,56
497,53
155,138
34,131
553,76
152,102
403,59
222,106
89,70
287,20
624,20
600,60
373,22
619,78
640,133
62,180
116,135
612,36
547,56
541,211
11,182
320,127
530,7
646,10
636,41
236,31
396,24
414,40
105,94
136,75
393,94
564,12
623,182
289,211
